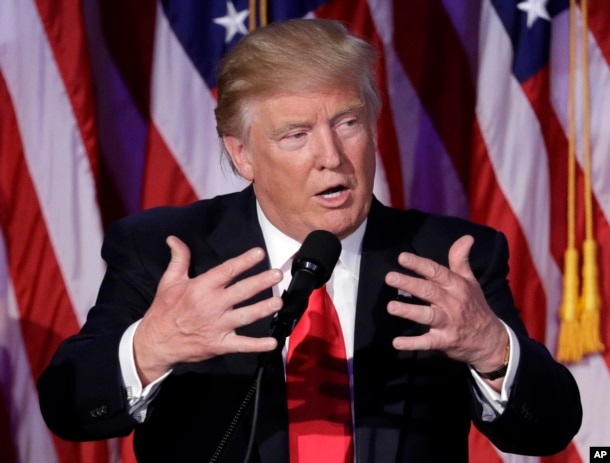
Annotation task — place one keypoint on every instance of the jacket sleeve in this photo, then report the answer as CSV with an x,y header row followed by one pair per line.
x,y
544,410
80,392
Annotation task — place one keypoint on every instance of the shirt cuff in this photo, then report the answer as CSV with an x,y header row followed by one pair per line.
x,y
138,398
496,400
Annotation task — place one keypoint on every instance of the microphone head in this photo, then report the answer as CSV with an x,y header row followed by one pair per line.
x,y
319,254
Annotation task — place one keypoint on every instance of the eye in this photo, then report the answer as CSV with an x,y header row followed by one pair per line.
x,y
296,135
347,125
292,141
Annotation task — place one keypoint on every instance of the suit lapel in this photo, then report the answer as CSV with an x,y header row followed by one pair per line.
x,y
237,229
388,233
379,370
236,232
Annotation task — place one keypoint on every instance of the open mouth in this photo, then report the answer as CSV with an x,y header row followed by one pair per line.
x,y
333,192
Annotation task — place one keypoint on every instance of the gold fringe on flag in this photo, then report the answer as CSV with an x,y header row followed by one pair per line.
x,y
579,332
262,14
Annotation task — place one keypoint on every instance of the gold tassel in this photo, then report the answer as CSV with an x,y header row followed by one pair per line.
x,y
263,14
569,344
590,301
252,15
590,297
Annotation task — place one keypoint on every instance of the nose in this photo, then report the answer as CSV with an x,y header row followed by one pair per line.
x,y
329,150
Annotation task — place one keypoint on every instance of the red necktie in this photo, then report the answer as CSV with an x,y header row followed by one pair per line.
x,y
319,406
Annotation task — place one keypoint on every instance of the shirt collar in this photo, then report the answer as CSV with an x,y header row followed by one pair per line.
x,y
281,247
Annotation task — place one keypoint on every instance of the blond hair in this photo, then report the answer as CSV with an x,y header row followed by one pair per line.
x,y
291,56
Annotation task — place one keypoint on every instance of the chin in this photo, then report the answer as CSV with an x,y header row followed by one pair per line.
x,y
341,231
338,222
345,227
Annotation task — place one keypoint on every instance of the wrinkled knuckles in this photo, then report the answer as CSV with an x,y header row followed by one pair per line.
x,y
431,316
228,270
241,317
435,271
240,292
429,292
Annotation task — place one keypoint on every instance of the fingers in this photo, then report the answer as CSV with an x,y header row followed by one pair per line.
x,y
458,256
423,314
248,344
215,291
248,287
433,271
225,273
447,291
436,278
245,316
222,275
461,323
421,342
211,298
179,261
194,319
426,288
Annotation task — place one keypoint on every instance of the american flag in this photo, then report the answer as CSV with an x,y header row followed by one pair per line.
x,y
106,107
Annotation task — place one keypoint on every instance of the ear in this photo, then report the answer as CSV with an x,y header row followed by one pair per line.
x,y
239,156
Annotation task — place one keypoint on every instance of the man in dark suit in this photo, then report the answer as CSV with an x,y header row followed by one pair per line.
x,y
433,339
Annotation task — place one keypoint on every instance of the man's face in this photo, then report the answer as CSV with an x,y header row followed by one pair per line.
x,y
311,157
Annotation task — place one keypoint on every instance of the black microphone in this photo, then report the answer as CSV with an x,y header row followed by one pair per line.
x,y
311,268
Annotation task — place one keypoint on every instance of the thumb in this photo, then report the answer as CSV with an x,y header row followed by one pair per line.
x,y
178,266
458,256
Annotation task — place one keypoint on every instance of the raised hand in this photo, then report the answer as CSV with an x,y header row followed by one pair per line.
x,y
193,319
461,322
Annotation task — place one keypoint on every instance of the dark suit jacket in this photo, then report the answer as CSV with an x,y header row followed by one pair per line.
x,y
409,406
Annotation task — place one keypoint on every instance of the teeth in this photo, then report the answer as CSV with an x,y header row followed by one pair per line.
x,y
331,195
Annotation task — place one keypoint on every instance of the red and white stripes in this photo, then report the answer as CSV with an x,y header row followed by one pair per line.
x,y
103,113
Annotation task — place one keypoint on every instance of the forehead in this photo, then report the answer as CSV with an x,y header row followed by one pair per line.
x,y
325,102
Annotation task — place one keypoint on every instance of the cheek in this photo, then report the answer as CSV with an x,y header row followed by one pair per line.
x,y
365,161
287,169
282,181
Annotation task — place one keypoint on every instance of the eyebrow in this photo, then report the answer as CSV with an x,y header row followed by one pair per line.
x,y
296,124
348,108
282,129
